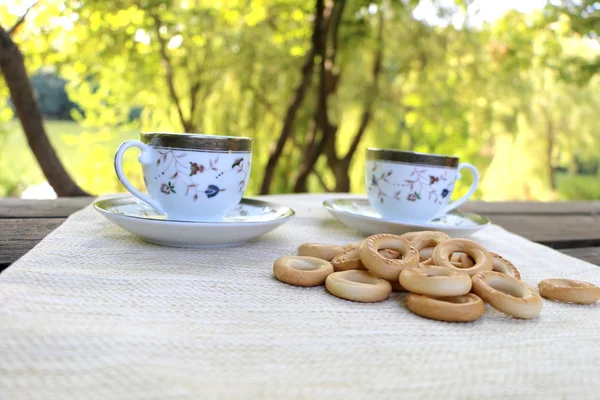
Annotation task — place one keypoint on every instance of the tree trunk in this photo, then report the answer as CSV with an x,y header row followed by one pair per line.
x,y
327,85
290,116
12,66
342,176
342,173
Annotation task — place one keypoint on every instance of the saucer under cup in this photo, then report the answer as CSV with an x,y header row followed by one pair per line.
x,y
357,213
248,220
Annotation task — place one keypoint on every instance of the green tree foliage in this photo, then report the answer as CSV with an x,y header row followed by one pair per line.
x,y
516,97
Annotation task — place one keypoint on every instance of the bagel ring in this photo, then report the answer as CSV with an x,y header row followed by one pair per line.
x,y
465,308
425,253
423,240
381,266
356,245
347,260
432,280
429,261
443,252
420,244
358,286
410,235
302,270
462,260
459,260
429,236
457,264
507,294
502,265
387,253
323,251
569,291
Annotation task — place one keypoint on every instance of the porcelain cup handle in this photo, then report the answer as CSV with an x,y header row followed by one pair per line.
x,y
121,175
466,197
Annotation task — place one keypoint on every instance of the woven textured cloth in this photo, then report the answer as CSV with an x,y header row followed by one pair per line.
x,y
92,312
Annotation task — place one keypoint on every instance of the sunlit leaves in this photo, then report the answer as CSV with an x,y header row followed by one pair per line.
x,y
485,94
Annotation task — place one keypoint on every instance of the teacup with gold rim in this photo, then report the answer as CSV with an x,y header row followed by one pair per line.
x,y
416,187
190,177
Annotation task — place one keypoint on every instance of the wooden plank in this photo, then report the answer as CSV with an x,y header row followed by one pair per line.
x,y
56,208
556,231
533,208
589,254
481,207
63,207
18,236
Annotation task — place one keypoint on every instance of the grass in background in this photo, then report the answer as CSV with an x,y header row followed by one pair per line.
x,y
87,155
577,187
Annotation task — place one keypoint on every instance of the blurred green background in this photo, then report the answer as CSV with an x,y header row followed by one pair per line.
x,y
513,91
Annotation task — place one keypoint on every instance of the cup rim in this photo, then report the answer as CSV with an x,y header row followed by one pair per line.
x,y
197,141
412,157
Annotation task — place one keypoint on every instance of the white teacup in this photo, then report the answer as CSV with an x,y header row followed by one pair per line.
x,y
416,187
190,177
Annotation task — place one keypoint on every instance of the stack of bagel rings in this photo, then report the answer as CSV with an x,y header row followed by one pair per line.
x,y
447,279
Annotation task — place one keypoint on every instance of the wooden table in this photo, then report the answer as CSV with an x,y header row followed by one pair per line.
x,y
572,228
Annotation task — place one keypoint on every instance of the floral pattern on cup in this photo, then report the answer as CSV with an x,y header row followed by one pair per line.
x,y
189,177
181,174
423,184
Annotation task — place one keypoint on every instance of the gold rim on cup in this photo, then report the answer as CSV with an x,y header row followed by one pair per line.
x,y
197,141
411,157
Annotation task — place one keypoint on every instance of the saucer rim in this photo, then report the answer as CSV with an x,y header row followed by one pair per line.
x,y
284,214
328,205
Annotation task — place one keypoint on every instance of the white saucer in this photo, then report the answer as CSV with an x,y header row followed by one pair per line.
x,y
249,220
358,214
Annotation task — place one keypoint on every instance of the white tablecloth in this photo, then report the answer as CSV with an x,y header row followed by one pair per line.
x,y
92,312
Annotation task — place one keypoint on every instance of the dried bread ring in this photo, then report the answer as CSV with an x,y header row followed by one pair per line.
x,y
349,259
502,265
507,294
385,267
443,252
465,308
429,261
425,253
429,236
422,244
302,270
358,286
569,291
319,250
389,253
355,245
454,260
462,260
455,257
425,242
410,236
432,280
